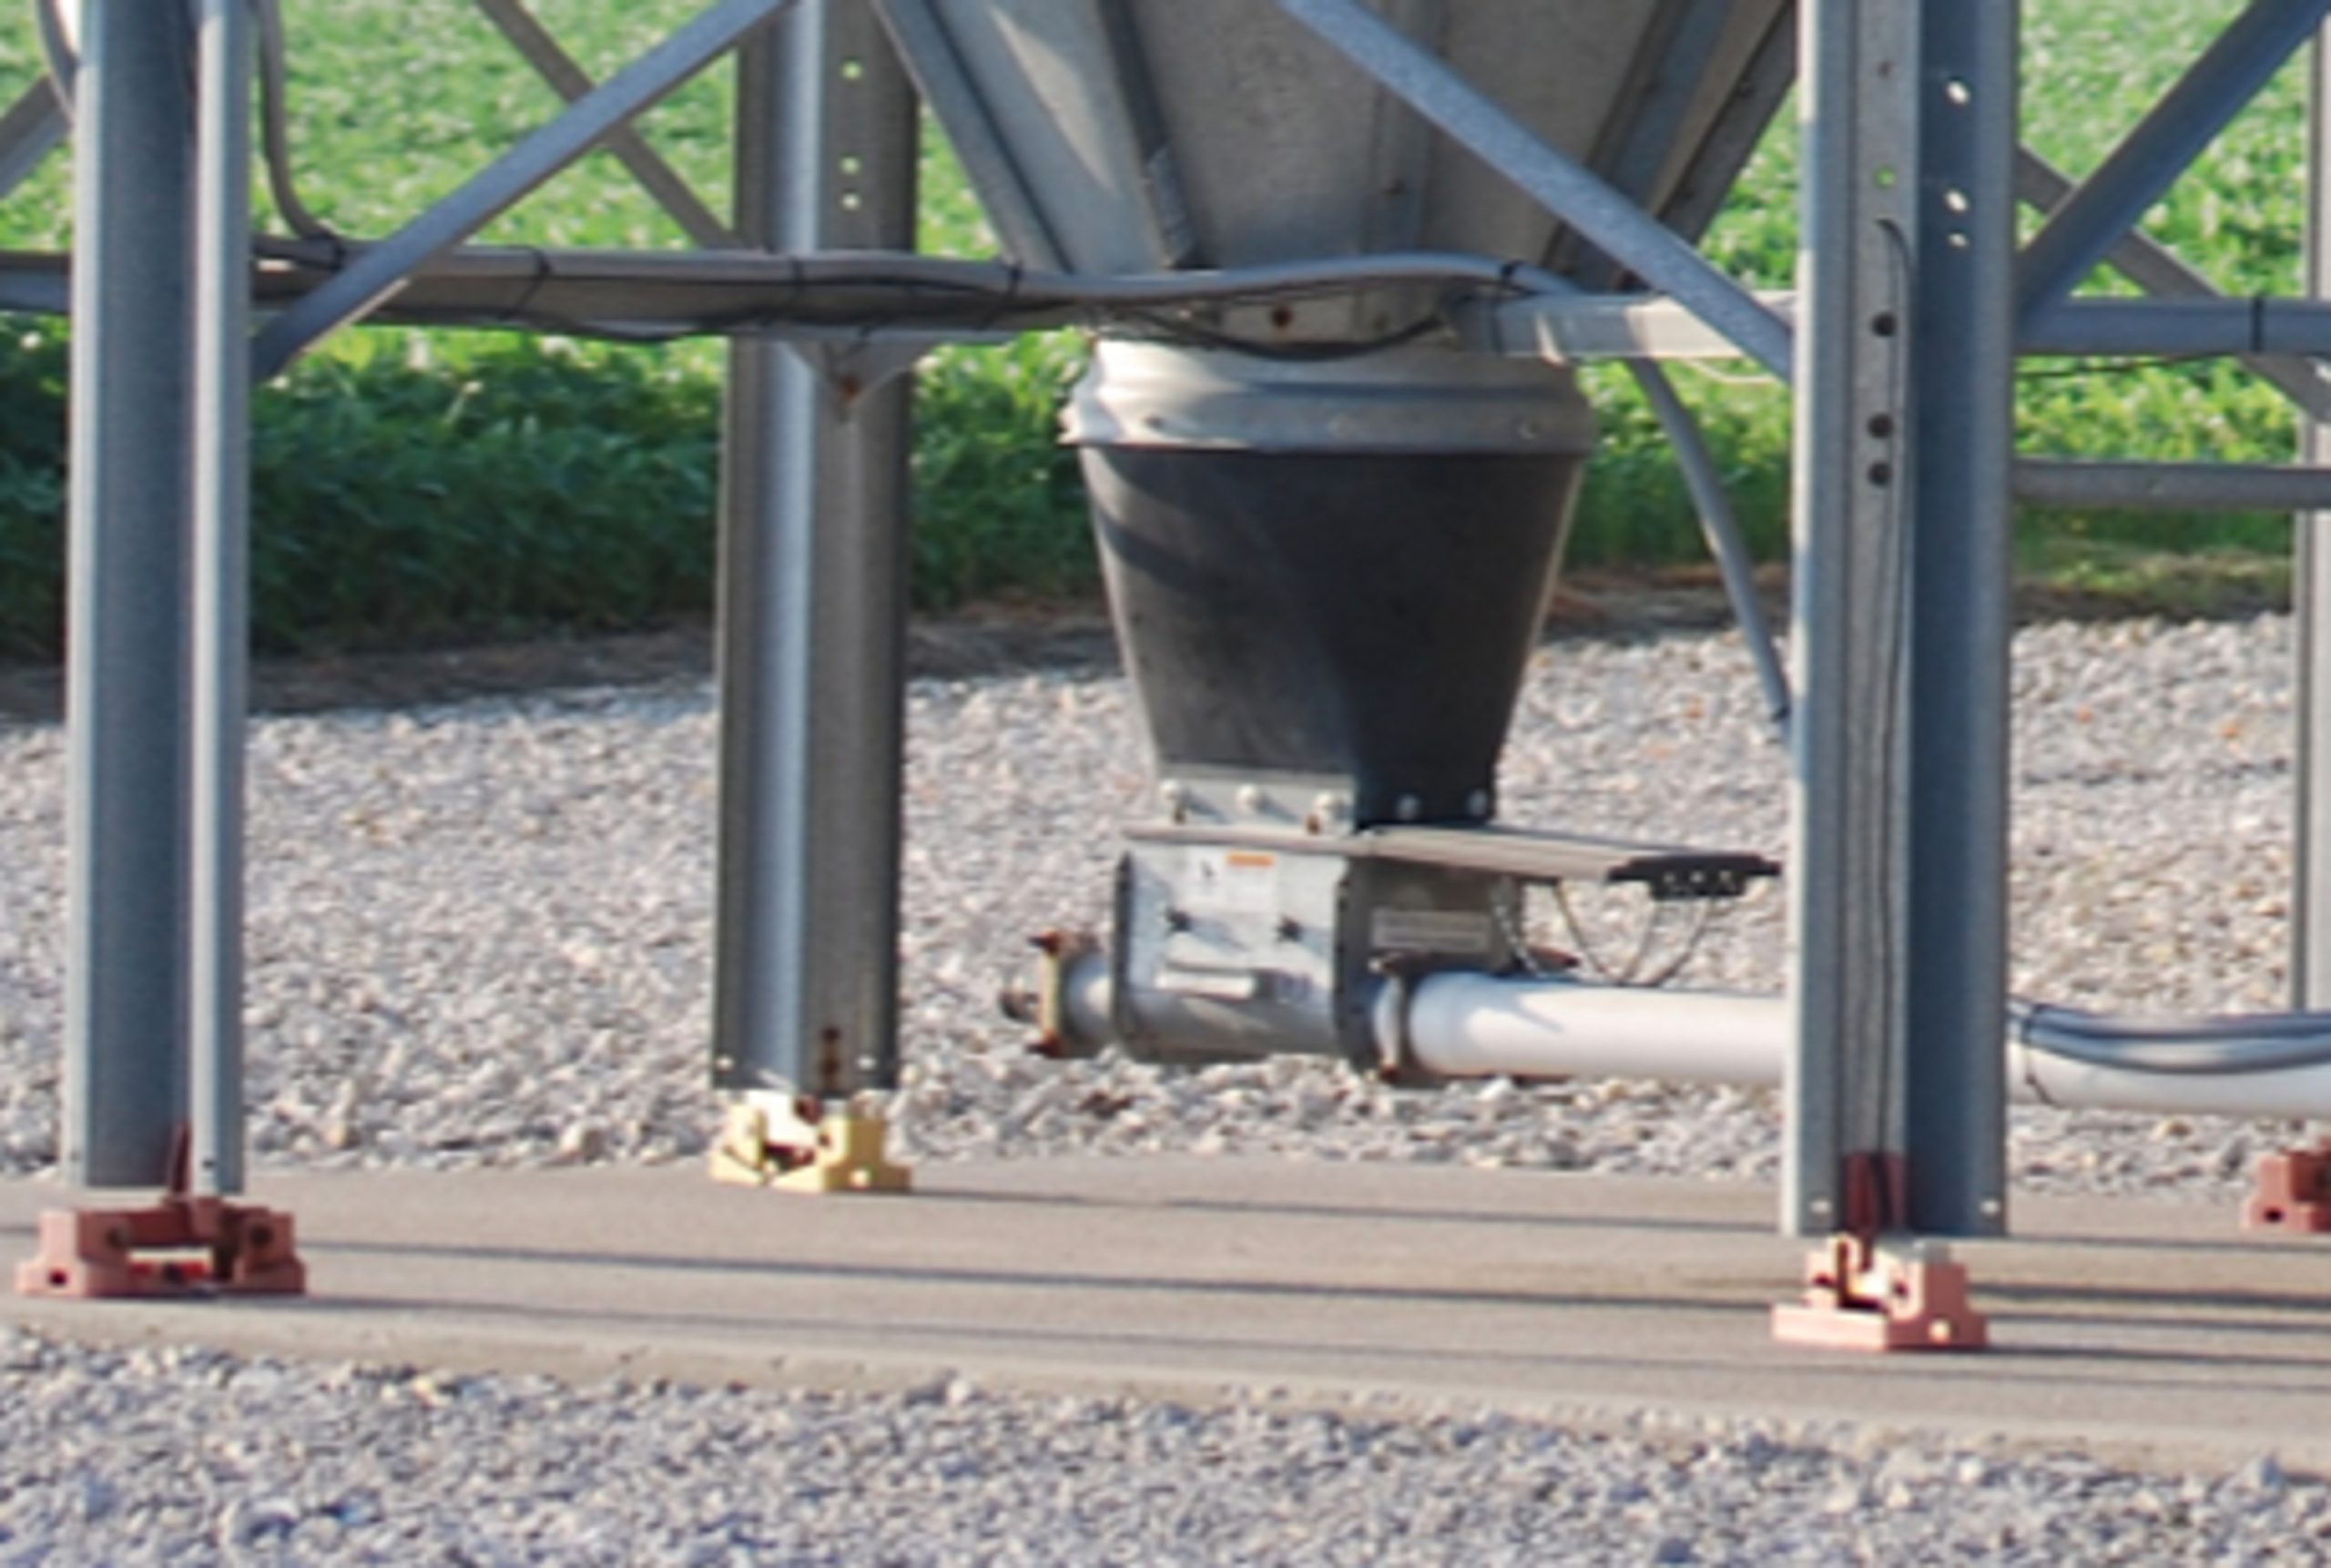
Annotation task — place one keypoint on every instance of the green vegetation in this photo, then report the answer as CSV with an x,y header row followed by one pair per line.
x,y
430,487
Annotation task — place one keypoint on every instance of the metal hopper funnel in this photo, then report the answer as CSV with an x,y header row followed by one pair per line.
x,y
1327,532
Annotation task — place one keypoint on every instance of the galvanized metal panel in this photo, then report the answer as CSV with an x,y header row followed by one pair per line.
x,y
1274,148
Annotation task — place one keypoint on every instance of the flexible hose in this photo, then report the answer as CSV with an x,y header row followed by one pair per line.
x,y
275,136
2175,1046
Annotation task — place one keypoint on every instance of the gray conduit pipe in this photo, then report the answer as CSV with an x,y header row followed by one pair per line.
x,y
1721,527
1458,1025
1471,1027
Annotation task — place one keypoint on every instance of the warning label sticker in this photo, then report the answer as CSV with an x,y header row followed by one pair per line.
x,y
1233,882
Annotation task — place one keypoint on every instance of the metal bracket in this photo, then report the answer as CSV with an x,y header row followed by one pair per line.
x,y
180,1246
842,1150
1862,1293
2292,1192
1046,1007
854,363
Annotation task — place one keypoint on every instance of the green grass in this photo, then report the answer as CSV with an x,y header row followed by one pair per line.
x,y
412,486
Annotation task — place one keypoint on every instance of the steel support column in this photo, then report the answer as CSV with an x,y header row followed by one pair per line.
x,y
125,1090
221,583
813,584
2311,903
1903,457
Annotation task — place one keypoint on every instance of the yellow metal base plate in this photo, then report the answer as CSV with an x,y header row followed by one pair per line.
x,y
842,1153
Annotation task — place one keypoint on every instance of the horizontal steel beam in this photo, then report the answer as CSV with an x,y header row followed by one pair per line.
x,y
2218,328
2093,485
2162,274
1639,327
672,293
669,294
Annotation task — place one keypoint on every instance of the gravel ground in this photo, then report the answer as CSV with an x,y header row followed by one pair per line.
x,y
479,937
181,1455
478,932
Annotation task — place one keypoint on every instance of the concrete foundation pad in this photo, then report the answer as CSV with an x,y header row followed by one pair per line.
x,y
2138,1330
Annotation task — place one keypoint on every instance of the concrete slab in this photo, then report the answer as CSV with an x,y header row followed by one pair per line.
x,y
2150,1331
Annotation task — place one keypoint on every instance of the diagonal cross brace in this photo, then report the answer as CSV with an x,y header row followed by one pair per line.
x,y
2216,88
1564,187
2163,274
657,178
30,127
510,178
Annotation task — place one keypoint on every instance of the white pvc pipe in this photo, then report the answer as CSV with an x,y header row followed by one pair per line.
x,y
1477,1026
2037,1078
1460,1025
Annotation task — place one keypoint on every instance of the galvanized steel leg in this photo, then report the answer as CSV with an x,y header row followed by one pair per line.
x,y
126,983
813,583
2311,902
221,579
1904,447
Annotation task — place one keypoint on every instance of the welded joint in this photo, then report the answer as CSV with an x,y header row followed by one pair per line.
x,y
854,363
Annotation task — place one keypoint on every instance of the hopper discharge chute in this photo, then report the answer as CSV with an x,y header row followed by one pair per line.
x,y
1327,530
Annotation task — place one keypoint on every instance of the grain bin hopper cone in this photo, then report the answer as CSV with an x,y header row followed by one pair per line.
x,y
1327,531
1326,578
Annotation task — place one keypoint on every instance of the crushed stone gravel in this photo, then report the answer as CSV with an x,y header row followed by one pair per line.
x,y
177,1455
479,933
479,936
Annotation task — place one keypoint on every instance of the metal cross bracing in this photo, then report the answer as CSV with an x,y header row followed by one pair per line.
x,y
1913,302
